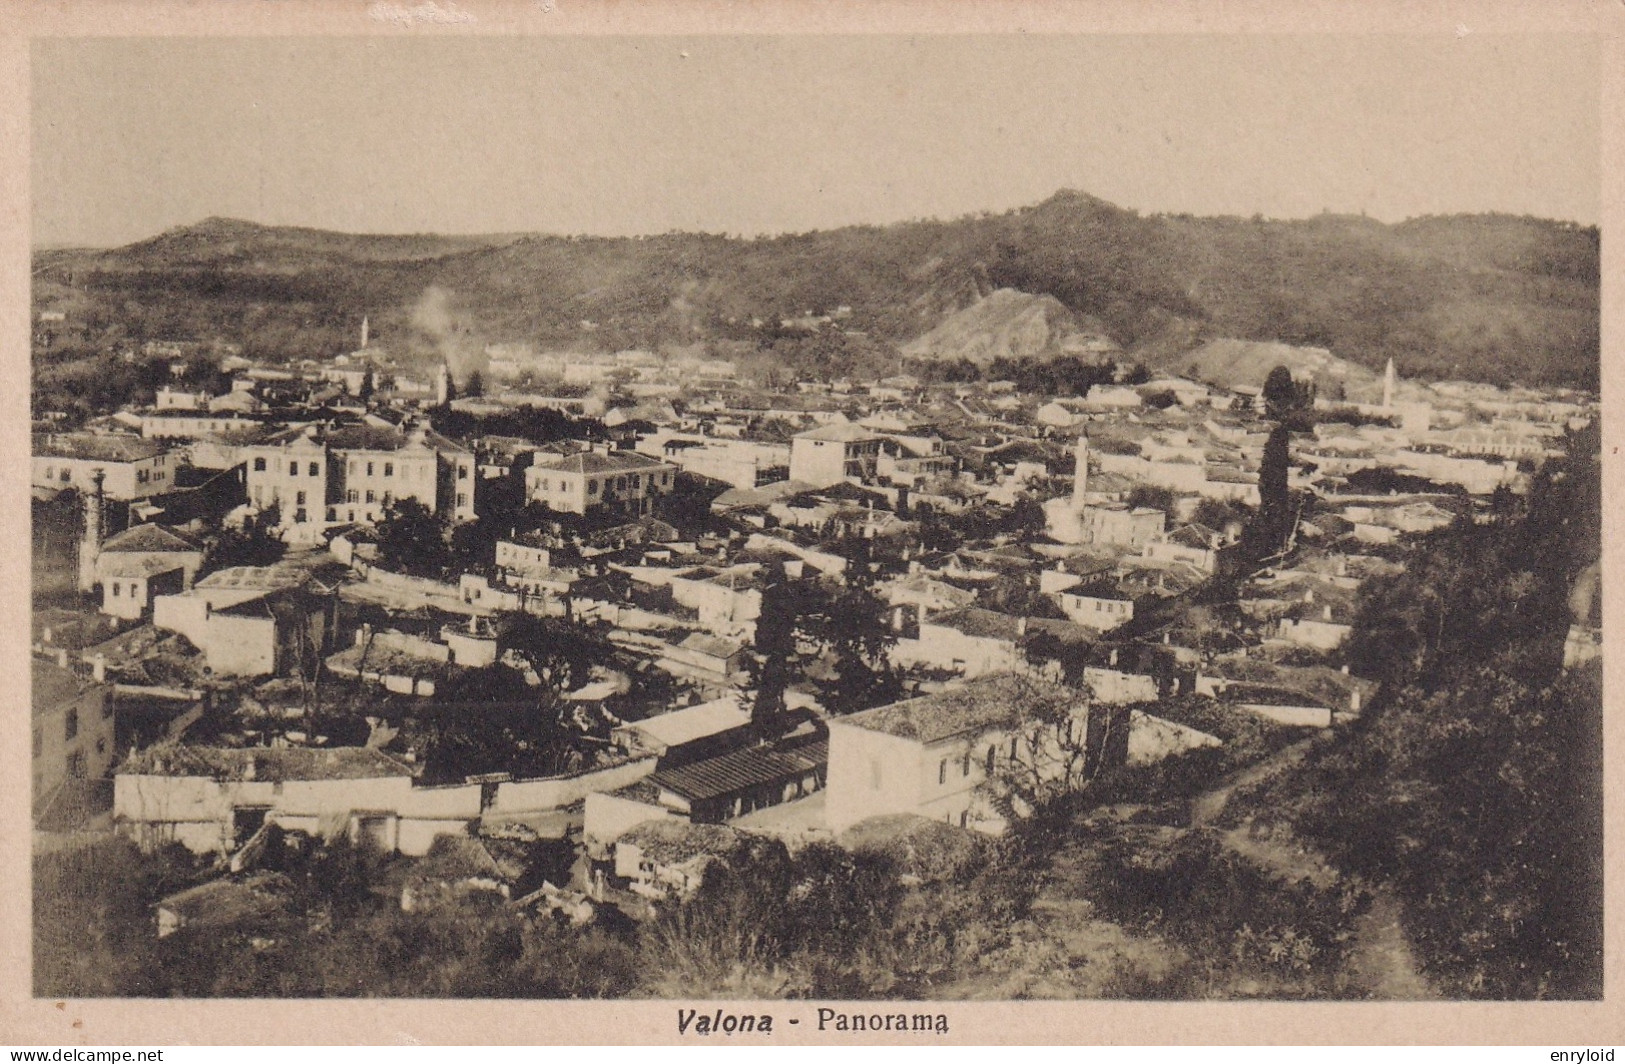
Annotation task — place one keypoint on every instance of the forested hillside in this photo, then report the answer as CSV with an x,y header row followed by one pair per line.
x,y
1484,297
1473,783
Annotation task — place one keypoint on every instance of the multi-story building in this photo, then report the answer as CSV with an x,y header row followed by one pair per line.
x,y
591,482
353,473
934,756
131,468
835,452
72,729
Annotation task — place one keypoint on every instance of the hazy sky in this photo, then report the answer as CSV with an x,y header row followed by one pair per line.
x,y
768,134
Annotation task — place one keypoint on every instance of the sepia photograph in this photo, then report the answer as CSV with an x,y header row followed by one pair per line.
x,y
874,520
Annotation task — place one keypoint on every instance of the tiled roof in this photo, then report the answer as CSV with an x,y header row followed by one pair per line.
x,y
92,448
592,463
676,841
145,539
989,702
740,770
54,685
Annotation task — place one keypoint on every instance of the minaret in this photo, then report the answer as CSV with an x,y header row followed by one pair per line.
x,y
363,332
442,385
1080,475
1388,385
90,547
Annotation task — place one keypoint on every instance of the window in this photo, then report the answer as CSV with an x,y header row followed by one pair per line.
x,y
964,817
66,476
70,724
259,465
462,499
299,498
964,764
352,496
350,516
388,498
372,497
369,469
546,485
992,754
462,472
76,764
293,469
312,469
942,772
118,589
389,469
332,514
49,472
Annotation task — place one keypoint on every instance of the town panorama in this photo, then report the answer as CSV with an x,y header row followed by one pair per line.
x,y
1031,619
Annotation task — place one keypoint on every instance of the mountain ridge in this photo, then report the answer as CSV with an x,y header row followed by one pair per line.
x,y
1479,296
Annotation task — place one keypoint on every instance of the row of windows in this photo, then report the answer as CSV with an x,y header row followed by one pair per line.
x,y
76,756
314,469
991,761
633,481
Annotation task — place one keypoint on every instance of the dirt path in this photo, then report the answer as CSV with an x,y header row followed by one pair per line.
x,y
1383,963
1206,807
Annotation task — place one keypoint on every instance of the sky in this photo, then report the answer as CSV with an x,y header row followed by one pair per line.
x,y
765,134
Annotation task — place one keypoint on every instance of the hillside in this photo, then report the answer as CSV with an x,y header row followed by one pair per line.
x,y
1485,297
1009,324
1227,362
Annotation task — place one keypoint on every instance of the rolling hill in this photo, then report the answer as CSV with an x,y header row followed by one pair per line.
x,y
1482,297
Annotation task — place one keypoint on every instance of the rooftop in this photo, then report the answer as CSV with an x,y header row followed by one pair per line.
x,y
149,538
988,702
93,448
696,722
839,432
740,770
593,463
677,841
273,764
54,685
253,578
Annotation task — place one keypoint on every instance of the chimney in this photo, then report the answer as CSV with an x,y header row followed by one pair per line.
x,y
98,668
1354,700
1326,612
1021,627
1114,657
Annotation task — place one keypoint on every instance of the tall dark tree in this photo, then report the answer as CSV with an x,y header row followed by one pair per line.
x,y
1269,528
1281,395
772,665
